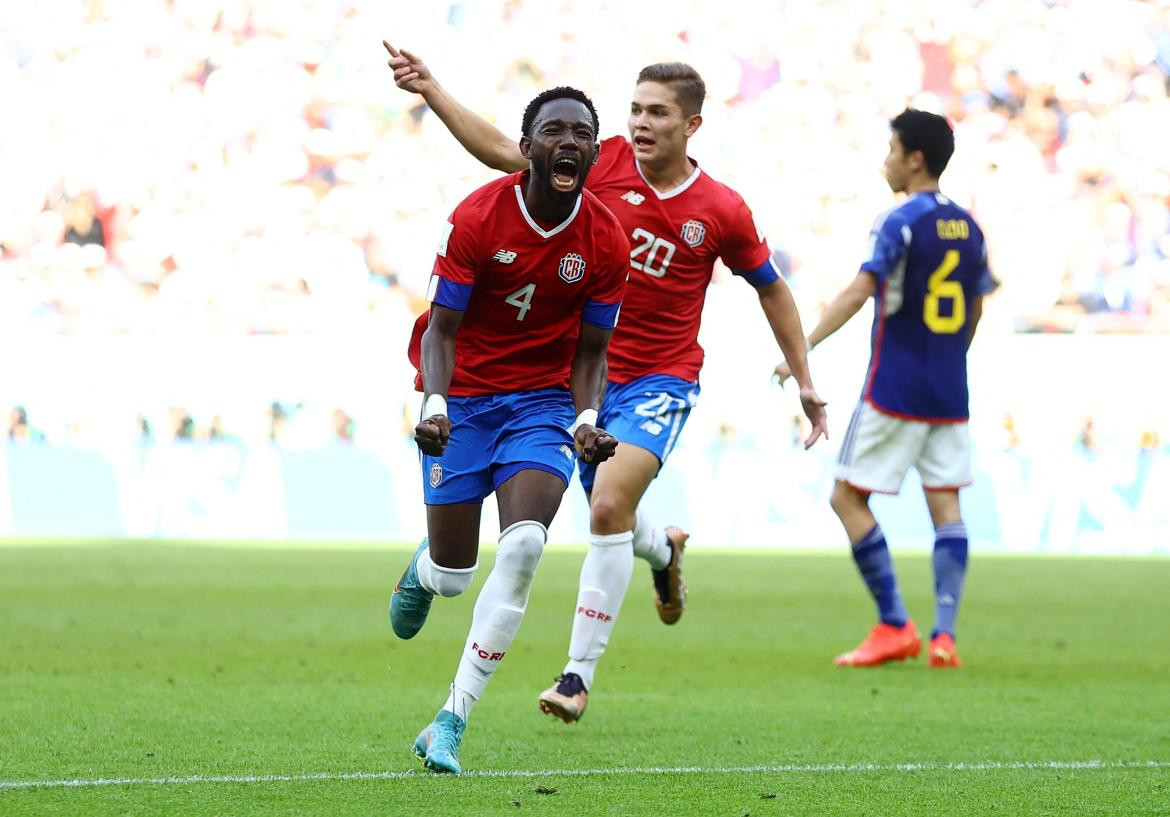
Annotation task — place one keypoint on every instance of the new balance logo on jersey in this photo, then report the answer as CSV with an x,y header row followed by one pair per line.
x,y
633,198
568,452
572,268
504,256
693,232
651,427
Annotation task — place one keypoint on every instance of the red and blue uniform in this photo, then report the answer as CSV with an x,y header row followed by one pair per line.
x,y
524,288
675,238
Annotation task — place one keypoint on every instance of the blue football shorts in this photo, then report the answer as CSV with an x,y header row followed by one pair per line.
x,y
648,412
496,436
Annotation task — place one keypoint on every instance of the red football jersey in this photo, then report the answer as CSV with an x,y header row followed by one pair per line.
x,y
675,238
524,288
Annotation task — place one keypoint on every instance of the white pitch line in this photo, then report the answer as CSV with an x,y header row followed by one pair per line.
x,y
846,768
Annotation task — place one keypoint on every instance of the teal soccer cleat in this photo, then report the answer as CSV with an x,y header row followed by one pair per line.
x,y
410,601
438,744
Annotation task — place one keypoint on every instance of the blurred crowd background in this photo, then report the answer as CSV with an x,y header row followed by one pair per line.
x,y
191,184
249,167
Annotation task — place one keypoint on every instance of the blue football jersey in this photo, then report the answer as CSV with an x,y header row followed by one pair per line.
x,y
930,261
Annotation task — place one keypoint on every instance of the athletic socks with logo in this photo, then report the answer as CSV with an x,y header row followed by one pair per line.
x,y
873,562
950,567
498,613
605,577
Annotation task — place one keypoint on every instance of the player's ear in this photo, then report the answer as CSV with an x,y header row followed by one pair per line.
x,y
693,123
526,147
596,151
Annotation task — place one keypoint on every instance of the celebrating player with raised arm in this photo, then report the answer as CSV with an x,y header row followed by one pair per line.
x,y
525,292
679,221
927,272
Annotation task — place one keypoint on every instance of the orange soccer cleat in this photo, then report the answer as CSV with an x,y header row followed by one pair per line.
x,y
943,652
885,642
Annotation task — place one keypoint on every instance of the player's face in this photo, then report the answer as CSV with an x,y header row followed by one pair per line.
x,y
658,127
897,166
562,146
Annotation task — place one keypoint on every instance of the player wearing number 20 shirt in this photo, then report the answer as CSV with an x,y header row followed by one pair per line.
x,y
675,238
524,288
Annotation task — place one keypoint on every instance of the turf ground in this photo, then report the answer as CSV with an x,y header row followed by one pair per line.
x,y
203,680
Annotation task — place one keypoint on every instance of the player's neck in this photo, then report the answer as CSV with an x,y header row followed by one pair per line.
x,y
924,184
546,208
667,176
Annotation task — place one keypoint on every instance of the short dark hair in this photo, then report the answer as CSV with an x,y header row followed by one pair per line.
x,y
927,132
560,92
688,86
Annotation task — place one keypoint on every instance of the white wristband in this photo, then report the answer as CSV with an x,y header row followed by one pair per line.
x,y
434,404
586,418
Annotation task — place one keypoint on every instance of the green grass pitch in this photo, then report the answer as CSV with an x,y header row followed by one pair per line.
x,y
253,679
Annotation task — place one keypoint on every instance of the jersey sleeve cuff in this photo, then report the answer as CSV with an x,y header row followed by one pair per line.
x,y
449,294
601,315
761,276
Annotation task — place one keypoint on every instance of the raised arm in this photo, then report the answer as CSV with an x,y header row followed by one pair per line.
x,y
480,138
438,367
780,309
586,381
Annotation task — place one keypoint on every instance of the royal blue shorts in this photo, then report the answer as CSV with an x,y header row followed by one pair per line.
x,y
648,412
494,437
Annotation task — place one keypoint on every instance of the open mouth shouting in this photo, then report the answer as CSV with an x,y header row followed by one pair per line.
x,y
643,143
566,170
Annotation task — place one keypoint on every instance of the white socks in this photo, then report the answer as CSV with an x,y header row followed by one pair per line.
x,y
650,542
443,581
605,577
498,612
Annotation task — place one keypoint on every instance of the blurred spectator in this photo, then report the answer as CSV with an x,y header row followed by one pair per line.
x,y
19,431
182,427
1087,439
277,421
81,221
342,425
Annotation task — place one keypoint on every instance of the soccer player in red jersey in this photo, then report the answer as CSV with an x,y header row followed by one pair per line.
x,y
525,292
927,273
679,221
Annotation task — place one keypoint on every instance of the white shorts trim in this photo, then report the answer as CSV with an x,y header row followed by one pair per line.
x,y
879,449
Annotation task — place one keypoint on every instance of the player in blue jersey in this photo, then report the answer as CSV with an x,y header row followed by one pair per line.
x,y
927,273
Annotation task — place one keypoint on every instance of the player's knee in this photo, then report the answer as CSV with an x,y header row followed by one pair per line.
x,y
846,499
449,582
521,544
610,514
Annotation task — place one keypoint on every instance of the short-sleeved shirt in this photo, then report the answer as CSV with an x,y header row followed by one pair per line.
x,y
930,261
524,288
675,238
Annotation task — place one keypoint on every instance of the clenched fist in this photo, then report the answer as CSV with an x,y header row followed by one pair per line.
x,y
433,434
